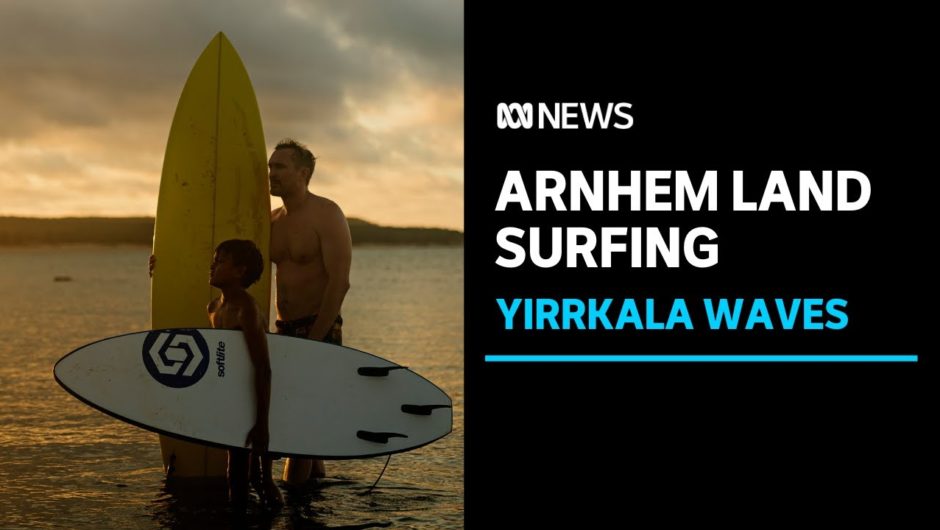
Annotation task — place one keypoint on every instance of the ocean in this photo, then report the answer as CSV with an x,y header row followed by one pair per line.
x,y
65,465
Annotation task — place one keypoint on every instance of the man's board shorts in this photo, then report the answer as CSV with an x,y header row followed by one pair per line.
x,y
301,328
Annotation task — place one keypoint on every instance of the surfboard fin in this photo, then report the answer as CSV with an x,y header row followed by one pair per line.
x,y
378,437
378,371
422,410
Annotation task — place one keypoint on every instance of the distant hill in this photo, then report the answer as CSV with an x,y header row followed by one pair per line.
x,y
28,231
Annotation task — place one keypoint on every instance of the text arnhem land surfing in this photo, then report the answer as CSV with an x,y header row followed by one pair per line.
x,y
639,247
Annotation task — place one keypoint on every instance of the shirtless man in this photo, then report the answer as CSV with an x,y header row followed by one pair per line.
x,y
236,265
312,248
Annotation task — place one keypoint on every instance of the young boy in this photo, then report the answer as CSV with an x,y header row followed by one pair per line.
x,y
236,265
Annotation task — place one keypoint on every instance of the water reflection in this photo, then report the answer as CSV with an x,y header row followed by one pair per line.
x,y
203,503
66,465
192,503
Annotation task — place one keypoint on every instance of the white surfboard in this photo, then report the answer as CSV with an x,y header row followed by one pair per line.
x,y
327,401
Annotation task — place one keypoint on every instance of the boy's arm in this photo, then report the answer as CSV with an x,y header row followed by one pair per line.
x,y
250,322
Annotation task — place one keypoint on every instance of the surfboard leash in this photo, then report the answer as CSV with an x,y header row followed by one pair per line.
x,y
372,487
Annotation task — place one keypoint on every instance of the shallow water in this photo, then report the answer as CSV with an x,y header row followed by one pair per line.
x,y
65,465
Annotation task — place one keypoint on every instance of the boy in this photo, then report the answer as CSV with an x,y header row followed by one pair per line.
x,y
236,265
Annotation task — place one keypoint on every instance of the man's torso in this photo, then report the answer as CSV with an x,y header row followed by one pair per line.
x,y
296,250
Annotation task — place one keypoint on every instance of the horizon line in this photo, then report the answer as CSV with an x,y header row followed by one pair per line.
x,y
67,217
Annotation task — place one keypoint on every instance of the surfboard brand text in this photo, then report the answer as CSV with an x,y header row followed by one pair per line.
x,y
220,358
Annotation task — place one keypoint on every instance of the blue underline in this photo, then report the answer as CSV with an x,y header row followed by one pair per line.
x,y
701,358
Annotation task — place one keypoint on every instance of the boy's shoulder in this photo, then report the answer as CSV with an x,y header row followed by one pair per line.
x,y
244,302
213,305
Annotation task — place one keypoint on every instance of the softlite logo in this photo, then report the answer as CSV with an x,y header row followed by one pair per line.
x,y
177,358
564,115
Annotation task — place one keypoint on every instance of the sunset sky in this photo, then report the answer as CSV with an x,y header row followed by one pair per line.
x,y
373,87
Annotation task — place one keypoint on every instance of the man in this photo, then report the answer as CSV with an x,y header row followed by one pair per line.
x,y
312,249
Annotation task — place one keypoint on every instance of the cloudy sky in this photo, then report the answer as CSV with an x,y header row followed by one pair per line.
x,y
374,87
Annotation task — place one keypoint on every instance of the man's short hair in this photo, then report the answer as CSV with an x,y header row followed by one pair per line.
x,y
244,253
301,156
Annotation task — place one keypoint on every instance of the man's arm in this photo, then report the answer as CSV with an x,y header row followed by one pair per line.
x,y
336,246
250,323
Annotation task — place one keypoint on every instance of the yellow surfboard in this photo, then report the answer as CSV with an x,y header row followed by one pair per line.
x,y
214,187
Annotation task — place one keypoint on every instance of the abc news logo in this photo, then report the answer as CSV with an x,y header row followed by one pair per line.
x,y
563,116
